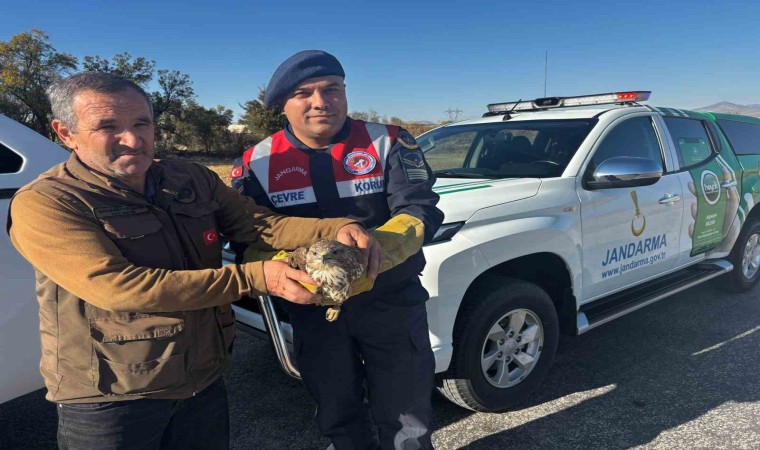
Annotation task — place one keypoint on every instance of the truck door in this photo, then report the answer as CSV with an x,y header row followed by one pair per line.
x,y
629,234
709,177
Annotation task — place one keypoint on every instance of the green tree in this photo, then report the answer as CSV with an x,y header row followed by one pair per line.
x,y
13,109
209,124
140,70
259,120
169,102
359,115
368,116
176,90
28,64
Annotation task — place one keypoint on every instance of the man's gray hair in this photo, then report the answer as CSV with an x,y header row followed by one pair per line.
x,y
62,93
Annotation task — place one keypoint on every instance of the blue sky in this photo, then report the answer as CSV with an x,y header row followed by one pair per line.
x,y
416,60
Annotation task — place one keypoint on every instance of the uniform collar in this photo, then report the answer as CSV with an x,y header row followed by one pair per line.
x,y
341,135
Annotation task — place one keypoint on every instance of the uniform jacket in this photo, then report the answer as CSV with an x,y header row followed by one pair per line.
x,y
134,301
369,173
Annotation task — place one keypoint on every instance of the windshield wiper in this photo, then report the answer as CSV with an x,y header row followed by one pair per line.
x,y
452,174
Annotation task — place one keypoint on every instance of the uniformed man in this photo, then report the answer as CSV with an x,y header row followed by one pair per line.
x,y
325,164
135,310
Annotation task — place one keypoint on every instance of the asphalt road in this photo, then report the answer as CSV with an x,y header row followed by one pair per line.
x,y
680,374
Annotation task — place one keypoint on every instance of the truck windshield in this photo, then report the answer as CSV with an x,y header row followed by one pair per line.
x,y
534,149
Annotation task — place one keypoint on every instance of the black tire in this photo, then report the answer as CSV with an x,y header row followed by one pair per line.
x,y
465,382
737,280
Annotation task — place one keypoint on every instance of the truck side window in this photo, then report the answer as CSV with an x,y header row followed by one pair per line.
x,y
690,139
10,161
634,137
744,137
447,151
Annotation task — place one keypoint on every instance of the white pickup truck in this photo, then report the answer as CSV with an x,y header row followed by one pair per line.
x,y
562,214
24,154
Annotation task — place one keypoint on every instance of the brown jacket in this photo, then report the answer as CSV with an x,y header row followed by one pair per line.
x,y
134,301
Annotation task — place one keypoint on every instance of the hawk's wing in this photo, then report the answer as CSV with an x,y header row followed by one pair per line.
x,y
297,258
355,264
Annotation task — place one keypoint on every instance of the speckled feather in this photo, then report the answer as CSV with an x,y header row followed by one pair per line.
x,y
334,265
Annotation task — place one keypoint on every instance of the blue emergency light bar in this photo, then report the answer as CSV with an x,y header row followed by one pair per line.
x,y
559,102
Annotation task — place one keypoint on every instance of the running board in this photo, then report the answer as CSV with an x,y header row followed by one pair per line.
x,y
621,303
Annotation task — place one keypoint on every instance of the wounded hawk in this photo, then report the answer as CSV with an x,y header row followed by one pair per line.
x,y
334,265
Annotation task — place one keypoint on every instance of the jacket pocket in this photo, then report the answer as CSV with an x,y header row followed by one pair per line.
x,y
139,238
141,378
198,224
132,227
138,353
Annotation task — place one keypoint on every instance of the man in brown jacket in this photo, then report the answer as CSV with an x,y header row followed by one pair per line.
x,y
135,310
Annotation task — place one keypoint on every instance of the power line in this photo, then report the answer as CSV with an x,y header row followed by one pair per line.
x,y
453,114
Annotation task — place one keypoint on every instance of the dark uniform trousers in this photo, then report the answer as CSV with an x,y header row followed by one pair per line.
x,y
389,333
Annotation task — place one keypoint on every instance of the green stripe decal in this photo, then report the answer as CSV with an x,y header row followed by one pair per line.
x,y
457,185
472,188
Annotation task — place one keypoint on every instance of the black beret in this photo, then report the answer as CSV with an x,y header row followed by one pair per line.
x,y
299,67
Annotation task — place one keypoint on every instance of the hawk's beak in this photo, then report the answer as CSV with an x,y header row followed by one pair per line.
x,y
323,256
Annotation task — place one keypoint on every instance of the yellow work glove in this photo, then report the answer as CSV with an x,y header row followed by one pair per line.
x,y
400,237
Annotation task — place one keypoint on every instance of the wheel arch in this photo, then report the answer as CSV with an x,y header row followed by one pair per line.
x,y
753,215
546,270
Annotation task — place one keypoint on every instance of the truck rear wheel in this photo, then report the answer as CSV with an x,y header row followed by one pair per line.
x,y
745,256
504,343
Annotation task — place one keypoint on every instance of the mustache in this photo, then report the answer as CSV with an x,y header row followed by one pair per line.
x,y
126,151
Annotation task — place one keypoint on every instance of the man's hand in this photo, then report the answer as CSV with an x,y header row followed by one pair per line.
x,y
282,281
355,235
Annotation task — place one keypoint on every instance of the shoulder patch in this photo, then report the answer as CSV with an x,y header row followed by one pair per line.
x,y
237,168
414,165
406,139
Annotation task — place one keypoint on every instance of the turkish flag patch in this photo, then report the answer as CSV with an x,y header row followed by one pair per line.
x,y
210,237
236,172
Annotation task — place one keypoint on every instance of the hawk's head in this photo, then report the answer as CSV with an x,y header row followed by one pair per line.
x,y
324,254
335,266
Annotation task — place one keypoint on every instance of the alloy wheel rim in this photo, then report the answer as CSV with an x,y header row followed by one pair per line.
x,y
751,257
512,348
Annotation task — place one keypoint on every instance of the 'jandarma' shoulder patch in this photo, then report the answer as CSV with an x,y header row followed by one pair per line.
x,y
407,140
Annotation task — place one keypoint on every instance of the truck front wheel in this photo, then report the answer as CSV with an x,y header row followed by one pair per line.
x,y
504,343
745,256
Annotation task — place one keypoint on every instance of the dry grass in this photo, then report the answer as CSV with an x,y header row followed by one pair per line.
x,y
221,165
222,169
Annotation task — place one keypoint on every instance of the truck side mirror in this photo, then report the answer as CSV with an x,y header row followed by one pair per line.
x,y
624,171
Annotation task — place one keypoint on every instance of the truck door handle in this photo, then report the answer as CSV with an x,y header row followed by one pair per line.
x,y
670,198
728,184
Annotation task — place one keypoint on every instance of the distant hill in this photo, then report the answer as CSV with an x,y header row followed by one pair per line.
x,y
732,108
